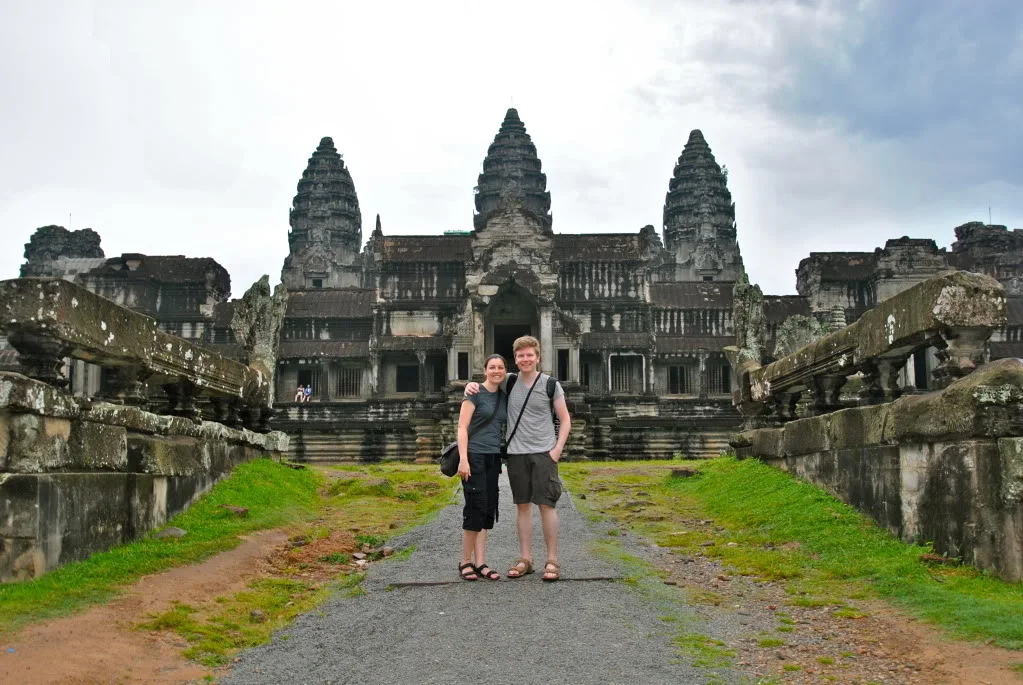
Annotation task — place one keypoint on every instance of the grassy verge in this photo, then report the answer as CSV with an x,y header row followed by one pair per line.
x,y
362,506
275,495
763,523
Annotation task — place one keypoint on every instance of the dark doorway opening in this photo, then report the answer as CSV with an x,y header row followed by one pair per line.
x,y
505,336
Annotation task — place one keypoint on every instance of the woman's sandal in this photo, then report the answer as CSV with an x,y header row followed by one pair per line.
x,y
521,567
549,576
484,571
467,571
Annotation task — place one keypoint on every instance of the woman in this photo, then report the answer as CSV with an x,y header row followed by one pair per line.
x,y
480,427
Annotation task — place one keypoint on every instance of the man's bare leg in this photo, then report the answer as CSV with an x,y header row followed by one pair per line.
x,y
524,528
549,522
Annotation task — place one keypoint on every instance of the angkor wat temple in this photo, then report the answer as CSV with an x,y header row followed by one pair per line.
x,y
387,331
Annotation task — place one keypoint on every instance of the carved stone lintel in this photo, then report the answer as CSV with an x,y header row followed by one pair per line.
x,y
826,391
963,353
40,358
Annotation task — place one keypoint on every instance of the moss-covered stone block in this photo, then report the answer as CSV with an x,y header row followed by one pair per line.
x,y
164,455
98,446
859,426
1011,452
37,443
804,436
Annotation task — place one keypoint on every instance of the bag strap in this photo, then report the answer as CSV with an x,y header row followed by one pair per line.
x,y
521,411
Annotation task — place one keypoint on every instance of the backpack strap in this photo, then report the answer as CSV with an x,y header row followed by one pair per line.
x,y
552,388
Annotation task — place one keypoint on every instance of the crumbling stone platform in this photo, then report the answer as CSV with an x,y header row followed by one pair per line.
x,y
76,479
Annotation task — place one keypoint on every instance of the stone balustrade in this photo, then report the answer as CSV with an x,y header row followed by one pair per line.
x,y
48,320
954,312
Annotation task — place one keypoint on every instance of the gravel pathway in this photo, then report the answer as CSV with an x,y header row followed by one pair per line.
x,y
578,630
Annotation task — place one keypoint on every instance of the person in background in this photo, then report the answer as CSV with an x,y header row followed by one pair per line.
x,y
480,433
308,392
300,393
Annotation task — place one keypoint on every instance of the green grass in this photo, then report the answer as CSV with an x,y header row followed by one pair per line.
x,y
771,642
275,495
706,652
823,551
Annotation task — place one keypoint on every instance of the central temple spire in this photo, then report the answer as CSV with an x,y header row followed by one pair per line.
x,y
511,175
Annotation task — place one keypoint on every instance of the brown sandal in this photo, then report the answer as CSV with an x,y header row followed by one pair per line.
x,y
467,571
516,572
487,573
554,575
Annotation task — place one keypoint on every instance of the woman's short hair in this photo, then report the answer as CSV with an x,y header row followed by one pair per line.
x,y
486,362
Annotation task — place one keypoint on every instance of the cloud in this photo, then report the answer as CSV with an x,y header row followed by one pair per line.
x,y
182,128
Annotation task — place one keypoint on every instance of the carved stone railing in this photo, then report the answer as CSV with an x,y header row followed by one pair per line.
x,y
49,320
954,312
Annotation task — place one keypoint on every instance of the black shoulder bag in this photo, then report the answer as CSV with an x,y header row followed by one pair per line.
x,y
518,420
449,455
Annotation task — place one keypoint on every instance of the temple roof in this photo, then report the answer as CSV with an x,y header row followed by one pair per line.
x,y
697,187
691,295
345,303
426,248
511,171
598,247
777,308
841,266
412,342
168,269
326,187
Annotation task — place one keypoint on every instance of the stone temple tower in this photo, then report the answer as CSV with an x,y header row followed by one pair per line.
x,y
511,175
699,217
326,225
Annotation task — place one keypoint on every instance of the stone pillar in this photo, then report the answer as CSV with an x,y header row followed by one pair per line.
x,y
331,373
605,362
421,356
374,374
478,344
547,360
574,374
452,363
649,380
704,390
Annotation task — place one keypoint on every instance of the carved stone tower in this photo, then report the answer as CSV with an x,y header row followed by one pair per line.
x,y
699,217
326,226
511,175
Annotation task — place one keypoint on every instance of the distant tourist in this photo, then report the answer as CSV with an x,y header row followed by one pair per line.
x,y
533,453
308,392
480,431
300,393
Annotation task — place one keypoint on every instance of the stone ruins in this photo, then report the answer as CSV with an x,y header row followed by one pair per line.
x,y
386,332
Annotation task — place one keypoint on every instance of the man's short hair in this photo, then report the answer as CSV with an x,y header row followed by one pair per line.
x,y
524,342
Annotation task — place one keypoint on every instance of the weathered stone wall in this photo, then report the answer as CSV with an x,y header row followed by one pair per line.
x,y
943,467
78,477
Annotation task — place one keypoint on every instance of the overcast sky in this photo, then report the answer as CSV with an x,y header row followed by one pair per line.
x,y
183,127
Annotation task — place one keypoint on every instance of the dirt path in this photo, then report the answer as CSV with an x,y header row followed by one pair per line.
x,y
101,645
885,646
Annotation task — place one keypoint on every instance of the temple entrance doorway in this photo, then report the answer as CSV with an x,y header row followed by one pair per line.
x,y
505,336
511,315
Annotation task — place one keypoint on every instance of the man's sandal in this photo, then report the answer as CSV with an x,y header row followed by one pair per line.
x,y
549,575
467,571
521,567
484,571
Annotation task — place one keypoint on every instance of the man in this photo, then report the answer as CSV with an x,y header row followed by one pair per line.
x,y
533,455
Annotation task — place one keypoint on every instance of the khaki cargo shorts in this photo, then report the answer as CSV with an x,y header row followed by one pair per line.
x,y
534,479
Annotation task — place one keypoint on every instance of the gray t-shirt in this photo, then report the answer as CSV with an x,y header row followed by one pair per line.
x,y
536,432
488,440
